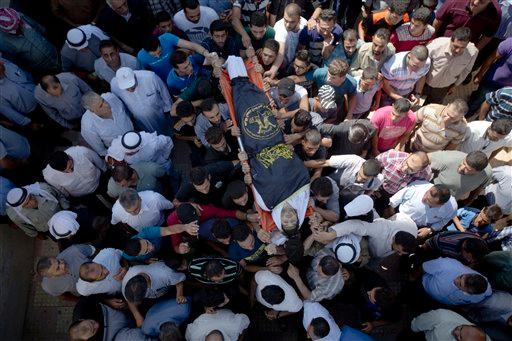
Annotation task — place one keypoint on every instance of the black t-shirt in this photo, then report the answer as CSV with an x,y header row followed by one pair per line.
x,y
320,154
231,154
339,134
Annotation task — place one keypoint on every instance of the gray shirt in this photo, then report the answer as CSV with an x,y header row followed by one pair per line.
x,y
13,144
148,173
499,191
105,72
347,167
202,123
81,59
74,256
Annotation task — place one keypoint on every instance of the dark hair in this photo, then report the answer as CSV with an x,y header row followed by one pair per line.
x,y
191,4
398,7
169,331
494,212
82,268
214,135
422,15
132,247
122,172
258,19
383,33
350,34
329,265
212,268
185,109
236,189
43,265
272,45
135,290
221,229
302,118
406,240
385,298
240,232
198,175
462,34
475,284
322,186
210,297
502,126
151,44
162,16
303,56
476,247
372,167
218,25
358,133
294,249
59,160
430,3
46,80
108,43
313,136
207,104
178,57
477,160
273,294
402,105
441,193
370,72
321,327
327,15
204,89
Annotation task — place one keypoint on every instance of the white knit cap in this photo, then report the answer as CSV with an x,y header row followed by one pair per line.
x,y
125,78
63,224
361,204
76,39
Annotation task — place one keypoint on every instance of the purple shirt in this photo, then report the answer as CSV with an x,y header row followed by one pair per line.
x,y
500,73
314,42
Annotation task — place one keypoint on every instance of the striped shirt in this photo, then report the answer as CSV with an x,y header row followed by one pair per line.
x,y
403,40
501,104
449,243
433,134
323,288
400,78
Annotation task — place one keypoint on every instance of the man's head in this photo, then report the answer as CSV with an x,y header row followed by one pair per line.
x,y
358,133
164,22
237,191
51,84
415,163
187,213
379,42
125,176
488,215
258,25
211,298
291,17
243,236
473,250
192,10
460,40
321,189
83,329
136,289
221,231
289,219
214,271
337,71
301,121
400,109
454,111
126,79
474,163
477,6
328,266
211,111
137,247
130,201
318,329
51,267
285,90
219,32
20,197
200,179
95,103
269,52
119,6
466,332
214,335
499,129
350,42
152,46
181,63
472,283
215,137
396,10
302,62
404,243
62,162
311,142
436,196
186,112
273,294
419,21
417,58
326,22
369,169
169,331
110,53
368,78
93,272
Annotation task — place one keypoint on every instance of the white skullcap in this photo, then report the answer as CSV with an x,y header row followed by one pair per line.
x,y
347,248
125,78
361,204
76,39
131,140
63,224
17,196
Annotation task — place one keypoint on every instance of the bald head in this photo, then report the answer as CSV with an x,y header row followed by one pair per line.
x,y
293,10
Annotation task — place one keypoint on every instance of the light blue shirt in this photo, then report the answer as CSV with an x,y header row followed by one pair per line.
x,y
166,311
438,282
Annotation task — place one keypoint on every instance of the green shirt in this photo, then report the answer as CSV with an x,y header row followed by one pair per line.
x,y
148,173
257,44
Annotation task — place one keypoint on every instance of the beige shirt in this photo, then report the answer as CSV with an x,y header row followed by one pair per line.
x,y
432,134
365,58
446,69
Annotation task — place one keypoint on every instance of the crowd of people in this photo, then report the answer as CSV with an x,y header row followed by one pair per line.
x,y
124,145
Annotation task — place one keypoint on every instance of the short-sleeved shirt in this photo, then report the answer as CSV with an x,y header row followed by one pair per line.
x,y
178,84
230,48
466,217
339,134
149,174
314,42
389,132
376,20
289,38
364,99
403,40
160,65
248,7
256,44
294,100
348,87
161,278
154,235
256,255
400,78
196,32
500,72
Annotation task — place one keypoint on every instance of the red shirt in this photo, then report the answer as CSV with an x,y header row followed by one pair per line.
x,y
208,212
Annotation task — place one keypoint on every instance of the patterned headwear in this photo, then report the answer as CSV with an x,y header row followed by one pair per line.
x,y
10,20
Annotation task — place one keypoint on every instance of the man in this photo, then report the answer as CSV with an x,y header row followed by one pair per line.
x,y
81,49
289,97
498,191
139,210
466,247
147,245
404,74
142,176
31,207
325,195
17,99
213,115
350,137
312,152
243,10
373,54
440,127
127,21
324,104
223,324
464,174
14,149
195,20
450,282
102,275
186,73
166,314
206,184
287,35
497,104
443,324
222,147
163,20
75,172
390,18
112,60
301,71
319,324
60,274
220,42
347,49
430,206
105,118
274,293
60,96
416,32
481,17
147,98
321,40
258,32
400,169
248,250
487,136
452,60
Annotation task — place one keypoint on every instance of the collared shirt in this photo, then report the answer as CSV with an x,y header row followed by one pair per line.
x,y
291,303
151,211
364,99
68,106
500,102
161,278
196,32
148,103
148,173
389,131
347,167
229,324
449,243
403,40
313,310
110,259
74,256
365,58
498,191
394,179
165,311
99,132
402,79
202,123
433,134
85,177
475,139
13,144
410,199
438,282
439,324
16,94
323,288
103,71
448,69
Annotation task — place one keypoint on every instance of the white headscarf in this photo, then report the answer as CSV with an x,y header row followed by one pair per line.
x,y
34,189
63,224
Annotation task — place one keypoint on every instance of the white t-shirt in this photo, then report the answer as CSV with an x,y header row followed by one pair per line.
x,y
291,303
162,277
196,32
229,324
290,39
109,258
312,310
